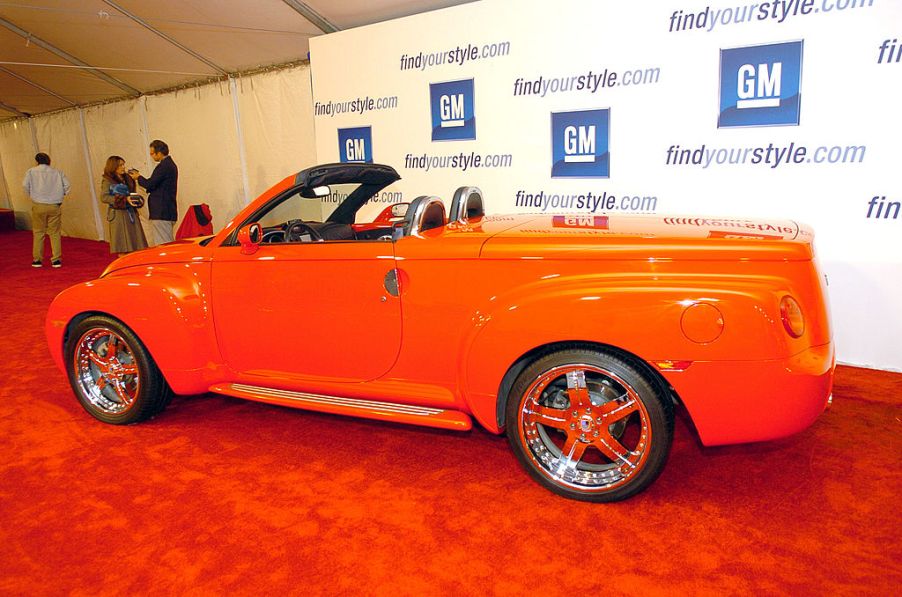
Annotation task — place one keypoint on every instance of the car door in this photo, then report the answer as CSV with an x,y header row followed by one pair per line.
x,y
307,310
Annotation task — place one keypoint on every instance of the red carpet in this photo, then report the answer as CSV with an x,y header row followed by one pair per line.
x,y
220,496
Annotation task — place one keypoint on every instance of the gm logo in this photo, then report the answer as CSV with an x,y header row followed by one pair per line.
x,y
356,145
453,116
759,85
579,144
580,222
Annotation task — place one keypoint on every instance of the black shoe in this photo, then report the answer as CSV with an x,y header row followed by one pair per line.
x,y
36,264
57,263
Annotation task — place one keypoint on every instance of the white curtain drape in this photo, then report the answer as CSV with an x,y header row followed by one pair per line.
x,y
277,120
17,155
60,136
200,126
116,129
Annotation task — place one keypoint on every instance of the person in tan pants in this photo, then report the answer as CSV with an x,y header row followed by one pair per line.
x,y
46,186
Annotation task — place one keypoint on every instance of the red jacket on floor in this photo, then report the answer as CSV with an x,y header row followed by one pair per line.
x,y
198,222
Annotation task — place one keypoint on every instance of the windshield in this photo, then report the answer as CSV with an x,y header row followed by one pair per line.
x,y
295,206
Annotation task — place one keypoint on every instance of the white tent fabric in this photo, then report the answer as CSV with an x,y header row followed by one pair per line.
x,y
17,151
231,140
277,121
4,192
201,127
62,53
60,136
116,129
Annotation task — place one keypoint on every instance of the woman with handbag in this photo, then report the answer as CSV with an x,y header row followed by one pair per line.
x,y
126,234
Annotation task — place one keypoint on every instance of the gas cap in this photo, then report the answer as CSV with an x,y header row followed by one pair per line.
x,y
702,323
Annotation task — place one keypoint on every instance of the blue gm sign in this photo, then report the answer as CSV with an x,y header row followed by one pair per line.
x,y
579,144
760,85
356,145
453,115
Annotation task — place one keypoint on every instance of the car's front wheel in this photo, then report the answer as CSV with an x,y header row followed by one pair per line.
x,y
112,374
589,425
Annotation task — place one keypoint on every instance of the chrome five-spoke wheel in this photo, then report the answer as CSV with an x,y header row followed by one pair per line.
x,y
106,372
589,425
113,376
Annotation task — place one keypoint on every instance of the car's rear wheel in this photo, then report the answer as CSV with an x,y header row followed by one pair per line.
x,y
589,425
112,374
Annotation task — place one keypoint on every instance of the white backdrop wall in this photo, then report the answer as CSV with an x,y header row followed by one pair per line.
x,y
821,144
201,127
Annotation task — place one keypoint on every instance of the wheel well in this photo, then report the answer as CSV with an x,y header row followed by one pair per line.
x,y
538,352
85,314
78,319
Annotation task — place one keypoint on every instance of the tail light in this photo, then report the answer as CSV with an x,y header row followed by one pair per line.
x,y
791,314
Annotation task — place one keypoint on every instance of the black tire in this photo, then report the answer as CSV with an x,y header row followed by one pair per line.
x,y
121,388
589,425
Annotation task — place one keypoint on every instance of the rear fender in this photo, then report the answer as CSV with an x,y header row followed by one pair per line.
x,y
637,314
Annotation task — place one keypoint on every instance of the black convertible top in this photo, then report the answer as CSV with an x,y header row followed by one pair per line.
x,y
329,174
372,178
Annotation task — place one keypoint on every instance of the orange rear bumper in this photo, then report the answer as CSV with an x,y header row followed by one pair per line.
x,y
746,401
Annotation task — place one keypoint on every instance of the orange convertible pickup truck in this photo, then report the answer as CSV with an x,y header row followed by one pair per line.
x,y
577,336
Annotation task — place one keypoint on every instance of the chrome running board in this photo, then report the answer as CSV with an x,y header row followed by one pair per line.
x,y
338,405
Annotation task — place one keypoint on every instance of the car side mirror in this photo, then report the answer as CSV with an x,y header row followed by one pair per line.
x,y
249,237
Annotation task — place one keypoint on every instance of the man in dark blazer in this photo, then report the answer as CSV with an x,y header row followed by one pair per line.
x,y
162,186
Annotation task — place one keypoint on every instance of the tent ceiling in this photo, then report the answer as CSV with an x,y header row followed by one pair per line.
x,y
59,53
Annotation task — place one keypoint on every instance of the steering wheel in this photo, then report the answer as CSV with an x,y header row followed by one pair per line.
x,y
273,236
297,228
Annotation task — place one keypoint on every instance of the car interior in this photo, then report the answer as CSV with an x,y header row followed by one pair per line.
x,y
325,216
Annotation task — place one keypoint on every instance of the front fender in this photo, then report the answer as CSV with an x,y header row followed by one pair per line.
x,y
167,306
637,313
